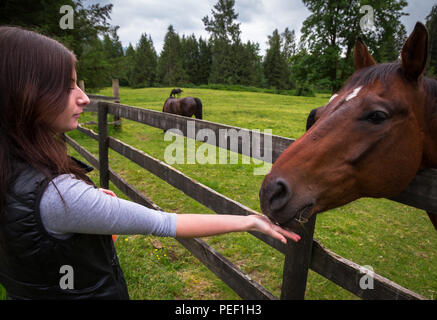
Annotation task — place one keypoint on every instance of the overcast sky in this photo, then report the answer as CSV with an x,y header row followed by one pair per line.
x,y
258,18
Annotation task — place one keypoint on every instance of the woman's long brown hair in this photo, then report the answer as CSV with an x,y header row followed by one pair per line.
x,y
35,77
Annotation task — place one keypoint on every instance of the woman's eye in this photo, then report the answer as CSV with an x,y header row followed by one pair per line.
x,y
377,117
73,85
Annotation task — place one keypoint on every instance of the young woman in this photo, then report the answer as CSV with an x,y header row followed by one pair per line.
x,y
51,215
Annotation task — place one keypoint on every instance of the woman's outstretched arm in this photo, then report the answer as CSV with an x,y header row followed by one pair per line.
x,y
201,225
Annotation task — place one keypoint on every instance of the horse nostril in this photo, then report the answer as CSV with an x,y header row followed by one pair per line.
x,y
279,194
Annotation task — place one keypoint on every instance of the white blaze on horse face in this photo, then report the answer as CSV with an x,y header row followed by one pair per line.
x,y
353,94
333,97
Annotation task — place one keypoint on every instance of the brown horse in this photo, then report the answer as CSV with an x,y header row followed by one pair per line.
x,y
370,140
184,107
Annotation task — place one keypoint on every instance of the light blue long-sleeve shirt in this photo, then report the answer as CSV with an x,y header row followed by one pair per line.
x,y
89,210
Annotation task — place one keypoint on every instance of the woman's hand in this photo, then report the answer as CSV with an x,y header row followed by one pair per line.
x,y
264,225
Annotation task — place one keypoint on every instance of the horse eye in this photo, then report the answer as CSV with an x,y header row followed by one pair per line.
x,y
377,117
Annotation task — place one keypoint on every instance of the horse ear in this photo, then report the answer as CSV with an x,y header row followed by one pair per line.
x,y
362,57
415,52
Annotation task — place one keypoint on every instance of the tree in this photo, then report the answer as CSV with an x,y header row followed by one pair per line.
x,y
431,24
275,65
114,56
170,68
93,63
222,26
288,43
128,65
145,63
83,39
331,30
224,33
205,61
191,58
249,69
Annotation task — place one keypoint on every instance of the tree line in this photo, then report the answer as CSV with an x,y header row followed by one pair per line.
x,y
320,60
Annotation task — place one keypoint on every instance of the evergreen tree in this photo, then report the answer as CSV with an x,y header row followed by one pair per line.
x,y
224,33
128,63
288,43
94,64
222,25
247,64
255,68
390,45
275,65
205,61
113,55
145,63
170,68
431,24
289,50
112,46
191,58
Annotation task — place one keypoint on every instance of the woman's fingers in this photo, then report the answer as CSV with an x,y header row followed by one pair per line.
x,y
266,226
289,234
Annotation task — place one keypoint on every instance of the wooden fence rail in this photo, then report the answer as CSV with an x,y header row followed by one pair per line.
x,y
308,253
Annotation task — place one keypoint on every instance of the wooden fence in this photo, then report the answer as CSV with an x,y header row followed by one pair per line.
x,y
299,257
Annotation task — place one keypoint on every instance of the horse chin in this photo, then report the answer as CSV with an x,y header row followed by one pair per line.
x,y
298,217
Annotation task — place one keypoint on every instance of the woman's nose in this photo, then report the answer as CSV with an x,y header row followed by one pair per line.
x,y
83,100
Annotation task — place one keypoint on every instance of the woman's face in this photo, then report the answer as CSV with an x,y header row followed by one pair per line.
x,y
77,100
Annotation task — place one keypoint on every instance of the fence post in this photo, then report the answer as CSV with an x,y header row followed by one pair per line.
x,y
297,262
103,144
116,95
82,85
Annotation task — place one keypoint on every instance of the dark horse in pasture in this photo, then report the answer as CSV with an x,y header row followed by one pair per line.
x,y
370,140
184,107
176,92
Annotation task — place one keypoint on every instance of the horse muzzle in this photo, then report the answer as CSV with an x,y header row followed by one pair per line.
x,y
282,205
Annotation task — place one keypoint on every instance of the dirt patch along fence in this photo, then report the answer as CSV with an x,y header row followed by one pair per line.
x,y
299,257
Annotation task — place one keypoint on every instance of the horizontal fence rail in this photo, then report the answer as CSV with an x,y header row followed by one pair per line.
x,y
341,271
168,121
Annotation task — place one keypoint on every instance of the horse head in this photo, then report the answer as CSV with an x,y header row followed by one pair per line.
x,y
370,140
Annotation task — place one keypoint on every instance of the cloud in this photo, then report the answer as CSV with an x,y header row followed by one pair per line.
x,y
257,18
269,15
418,10
153,17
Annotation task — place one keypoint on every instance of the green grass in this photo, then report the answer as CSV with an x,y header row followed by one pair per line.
x,y
396,240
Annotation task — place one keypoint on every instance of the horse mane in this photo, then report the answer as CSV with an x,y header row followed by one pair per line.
x,y
383,72
430,85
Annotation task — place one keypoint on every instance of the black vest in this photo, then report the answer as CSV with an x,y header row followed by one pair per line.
x,y
31,259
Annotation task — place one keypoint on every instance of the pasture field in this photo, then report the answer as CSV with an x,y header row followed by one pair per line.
x,y
396,240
